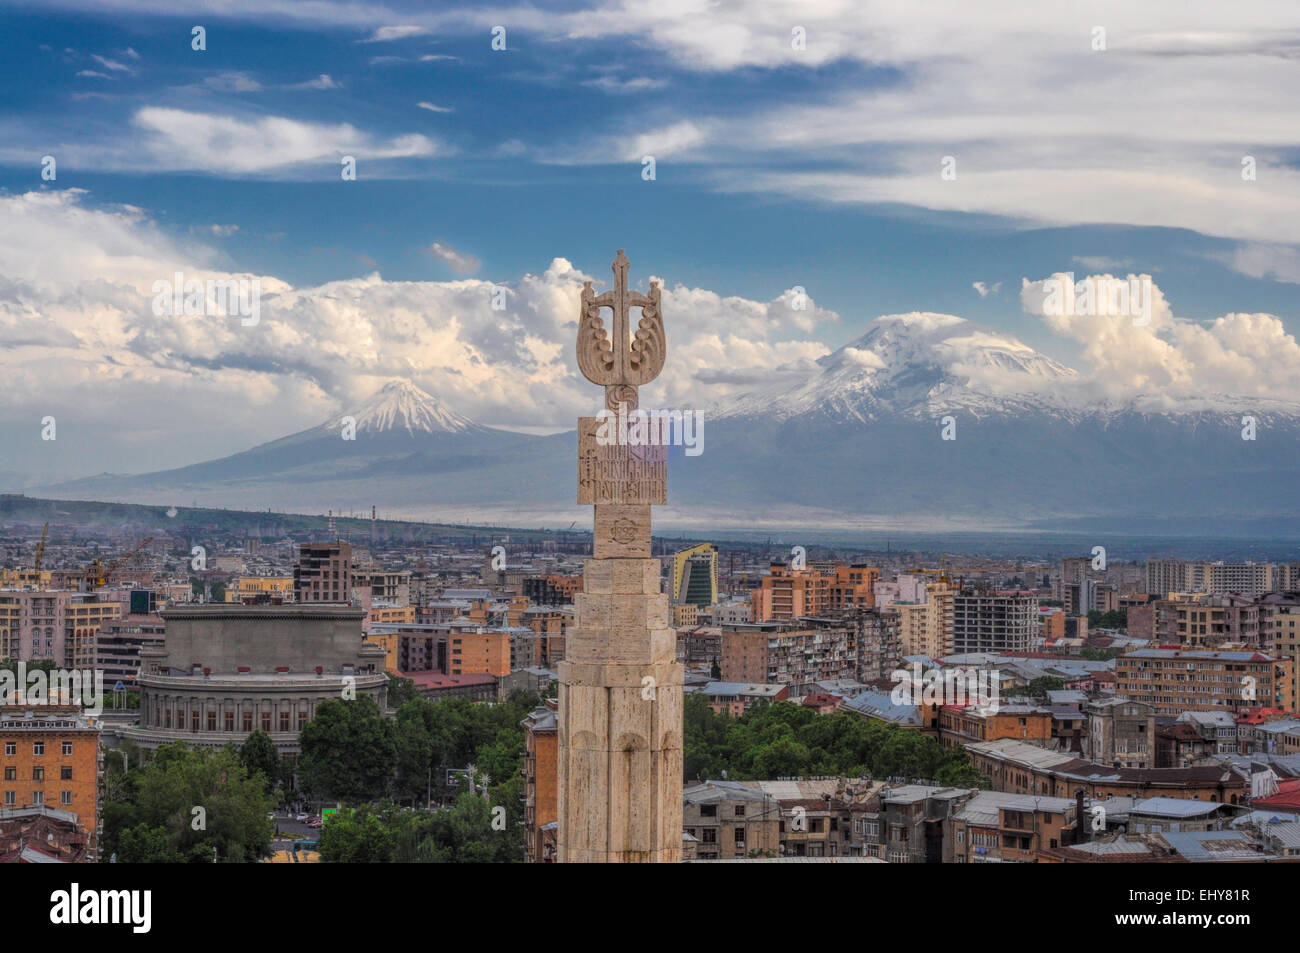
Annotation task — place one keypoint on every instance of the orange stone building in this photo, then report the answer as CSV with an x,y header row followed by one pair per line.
x,y
787,593
965,724
50,758
478,651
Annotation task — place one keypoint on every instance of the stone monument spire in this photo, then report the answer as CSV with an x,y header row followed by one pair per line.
x,y
620,716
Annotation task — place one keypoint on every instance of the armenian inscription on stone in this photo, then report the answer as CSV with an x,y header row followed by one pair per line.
x,y
619,473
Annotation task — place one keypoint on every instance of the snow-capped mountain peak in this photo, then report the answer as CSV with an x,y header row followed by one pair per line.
x,y
912,363
400,405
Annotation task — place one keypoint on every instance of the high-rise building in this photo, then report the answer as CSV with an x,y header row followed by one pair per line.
x,y
1246,579
1166,576
323,573
786,593
695,575
1287,578
53,624
988,622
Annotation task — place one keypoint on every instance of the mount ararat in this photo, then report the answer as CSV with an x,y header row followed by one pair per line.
x,y
856,440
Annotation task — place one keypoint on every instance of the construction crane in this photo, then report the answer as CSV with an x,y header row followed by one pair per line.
x,y
99,577
40,547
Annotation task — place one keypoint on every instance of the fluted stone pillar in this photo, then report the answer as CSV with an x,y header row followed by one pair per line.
x,y
620,712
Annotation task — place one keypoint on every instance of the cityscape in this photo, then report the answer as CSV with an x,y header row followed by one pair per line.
x,y
1123,711
723,432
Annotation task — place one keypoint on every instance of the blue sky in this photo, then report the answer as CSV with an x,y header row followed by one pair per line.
x,y
775,168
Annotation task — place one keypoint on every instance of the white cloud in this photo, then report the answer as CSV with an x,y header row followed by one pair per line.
x,y
1172,358
79,340
111,64
180,139
386,34
434,109
460,262
323,81
985,290
232,81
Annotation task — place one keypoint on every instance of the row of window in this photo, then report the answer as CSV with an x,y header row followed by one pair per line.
x,y
38,798
38,773
38,748
228,720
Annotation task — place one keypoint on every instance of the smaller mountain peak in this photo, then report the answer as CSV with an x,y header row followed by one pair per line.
x,y
402,405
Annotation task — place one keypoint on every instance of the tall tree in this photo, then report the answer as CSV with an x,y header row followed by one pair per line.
x,y
347,751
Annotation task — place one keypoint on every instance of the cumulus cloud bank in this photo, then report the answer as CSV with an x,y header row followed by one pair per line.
x,y
79,339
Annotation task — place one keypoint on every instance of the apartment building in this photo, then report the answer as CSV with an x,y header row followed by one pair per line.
x,y
118,645
1179,680
988,622
552,589
730,820
1165,576
769,653
390,587
786,593
995,827
1021,768
1121,732
541,778
852,587
324,573
51,758
53,624
965,724
879,641
1205,620
1279,625
737,698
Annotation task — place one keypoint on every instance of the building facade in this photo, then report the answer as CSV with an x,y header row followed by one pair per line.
x,y
225,671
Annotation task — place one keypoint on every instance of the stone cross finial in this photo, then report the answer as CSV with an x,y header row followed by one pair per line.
x,y
623,364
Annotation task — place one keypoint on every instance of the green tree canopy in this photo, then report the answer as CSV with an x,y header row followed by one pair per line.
x,y
184,805
348,751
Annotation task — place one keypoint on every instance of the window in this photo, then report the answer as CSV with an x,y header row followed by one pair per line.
x,y
11,748
38,797
11,774
302,720
212,721
248,721
67,749
65,772
229,721
11,798
708,810
284,721
740,810
38,748
740,836
65,797
266,721
194,720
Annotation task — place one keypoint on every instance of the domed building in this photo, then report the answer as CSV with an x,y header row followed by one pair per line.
x,y
224,671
